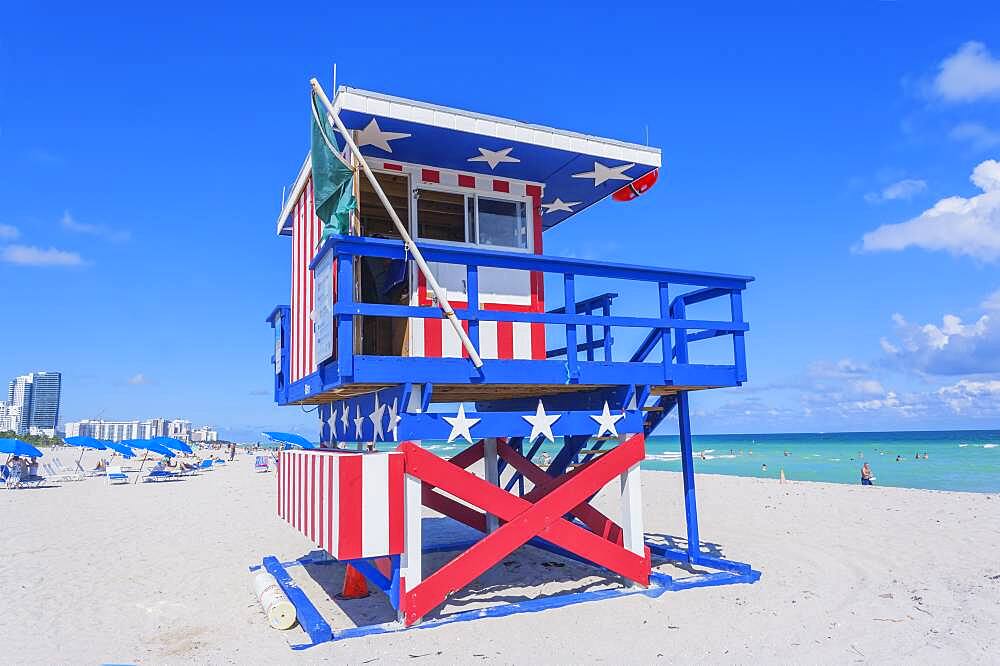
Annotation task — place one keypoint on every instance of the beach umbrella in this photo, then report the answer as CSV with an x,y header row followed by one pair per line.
x,y
84,443
16,447
290,439
173,443
120,448
150,446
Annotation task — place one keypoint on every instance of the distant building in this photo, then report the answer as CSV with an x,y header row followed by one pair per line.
x,y
204,434
10,417
117,431
37,397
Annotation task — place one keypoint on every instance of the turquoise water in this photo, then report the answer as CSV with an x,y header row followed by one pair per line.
x,y
967,460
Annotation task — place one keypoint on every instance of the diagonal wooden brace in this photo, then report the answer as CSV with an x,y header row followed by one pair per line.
x,y
524,521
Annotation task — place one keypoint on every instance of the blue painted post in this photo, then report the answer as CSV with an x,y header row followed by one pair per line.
x,y
569,292
687,471
589,335
345,322
665,343
739,346
606,311
472,290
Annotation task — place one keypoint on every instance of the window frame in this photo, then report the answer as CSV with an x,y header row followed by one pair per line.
x,y
475,195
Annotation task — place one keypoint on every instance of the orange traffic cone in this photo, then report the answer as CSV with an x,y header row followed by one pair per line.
x,y
355,585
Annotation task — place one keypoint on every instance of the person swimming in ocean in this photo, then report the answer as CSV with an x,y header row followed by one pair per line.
x,y
763,467
899,458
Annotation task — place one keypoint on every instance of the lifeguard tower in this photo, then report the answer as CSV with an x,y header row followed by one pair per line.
x,y
446,332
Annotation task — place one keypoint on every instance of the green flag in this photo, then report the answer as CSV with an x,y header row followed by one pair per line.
x,y
333,181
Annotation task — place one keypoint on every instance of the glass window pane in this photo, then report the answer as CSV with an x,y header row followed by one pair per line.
x,y
441,216
502,223
375,221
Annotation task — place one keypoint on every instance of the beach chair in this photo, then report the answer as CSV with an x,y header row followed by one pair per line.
x,y
9,478
261,464
82,470
52,474
158,475
115,475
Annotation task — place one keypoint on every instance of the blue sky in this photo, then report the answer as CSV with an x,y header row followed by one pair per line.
x,y
143,152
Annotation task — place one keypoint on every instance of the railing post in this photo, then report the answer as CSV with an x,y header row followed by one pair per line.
x,y
739,345
665,338
687,471
588,333
569,292
345,322
472,294
606,311
679,311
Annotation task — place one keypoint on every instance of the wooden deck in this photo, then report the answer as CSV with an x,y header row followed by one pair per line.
x,y
448,393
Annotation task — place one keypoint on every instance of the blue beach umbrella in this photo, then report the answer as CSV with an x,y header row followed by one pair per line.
x,y
173,443
16,447
150,445
120,448
290,439
85,443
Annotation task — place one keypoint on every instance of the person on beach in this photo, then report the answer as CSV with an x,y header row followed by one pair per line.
x,y
866,475
899,458
763,467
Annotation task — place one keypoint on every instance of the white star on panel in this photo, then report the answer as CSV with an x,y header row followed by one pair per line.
x,y
376,417
394,419
358,421
541,424
602,173
461,426
494,157
607,421
372,135
344,418
559,204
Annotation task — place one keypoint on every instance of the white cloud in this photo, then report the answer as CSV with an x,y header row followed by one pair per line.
x,y
954,224
138,378
949,348
992,302
979,136
969,74
966,394
8,232
69,223
26,255
903,189
844,368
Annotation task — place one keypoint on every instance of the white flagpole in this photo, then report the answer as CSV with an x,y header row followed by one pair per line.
x,y
442,299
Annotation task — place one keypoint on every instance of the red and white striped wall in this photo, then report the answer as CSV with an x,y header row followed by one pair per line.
x,y
306,231
349,504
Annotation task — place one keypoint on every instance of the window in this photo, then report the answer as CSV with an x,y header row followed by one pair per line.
x,y
462,218
441,216
375,220
502,222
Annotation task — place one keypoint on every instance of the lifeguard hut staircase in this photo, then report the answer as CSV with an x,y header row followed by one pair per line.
x,y
364,341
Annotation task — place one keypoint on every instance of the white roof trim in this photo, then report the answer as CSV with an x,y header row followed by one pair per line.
x,y
293,196
363,101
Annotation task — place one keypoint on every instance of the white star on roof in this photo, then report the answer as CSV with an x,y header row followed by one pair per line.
x,y
607,421
559,204
372,135
344,418
358,421
541,423
376,417
602,173
461,426
394,419
494,157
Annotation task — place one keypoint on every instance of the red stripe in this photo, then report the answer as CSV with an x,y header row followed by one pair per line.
x,y
501,186
312,497
392,167
432,337
505,339
350,508
430,176
466,181
538,342
397,513
533,191
329,490
537,280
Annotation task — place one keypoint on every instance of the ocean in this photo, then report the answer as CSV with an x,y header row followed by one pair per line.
x,y
966,460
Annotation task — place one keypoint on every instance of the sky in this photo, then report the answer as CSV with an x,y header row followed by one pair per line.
x,y
844,156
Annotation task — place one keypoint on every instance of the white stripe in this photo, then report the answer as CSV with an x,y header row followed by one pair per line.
x,y
451,345
335,507
488,339
417,337
522,340
375,504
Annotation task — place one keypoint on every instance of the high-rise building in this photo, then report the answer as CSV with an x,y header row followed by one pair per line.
x,y
10,417
204,434
116,431
37,396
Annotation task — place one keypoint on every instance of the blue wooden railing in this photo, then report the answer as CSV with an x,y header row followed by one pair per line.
x,y
671,324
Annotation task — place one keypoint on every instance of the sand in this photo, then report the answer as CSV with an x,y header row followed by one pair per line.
x,y
158,573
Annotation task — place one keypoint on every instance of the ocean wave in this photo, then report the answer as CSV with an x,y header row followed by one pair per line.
x,y
989,446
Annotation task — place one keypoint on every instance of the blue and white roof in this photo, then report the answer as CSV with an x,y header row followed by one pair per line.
x,y
576,170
